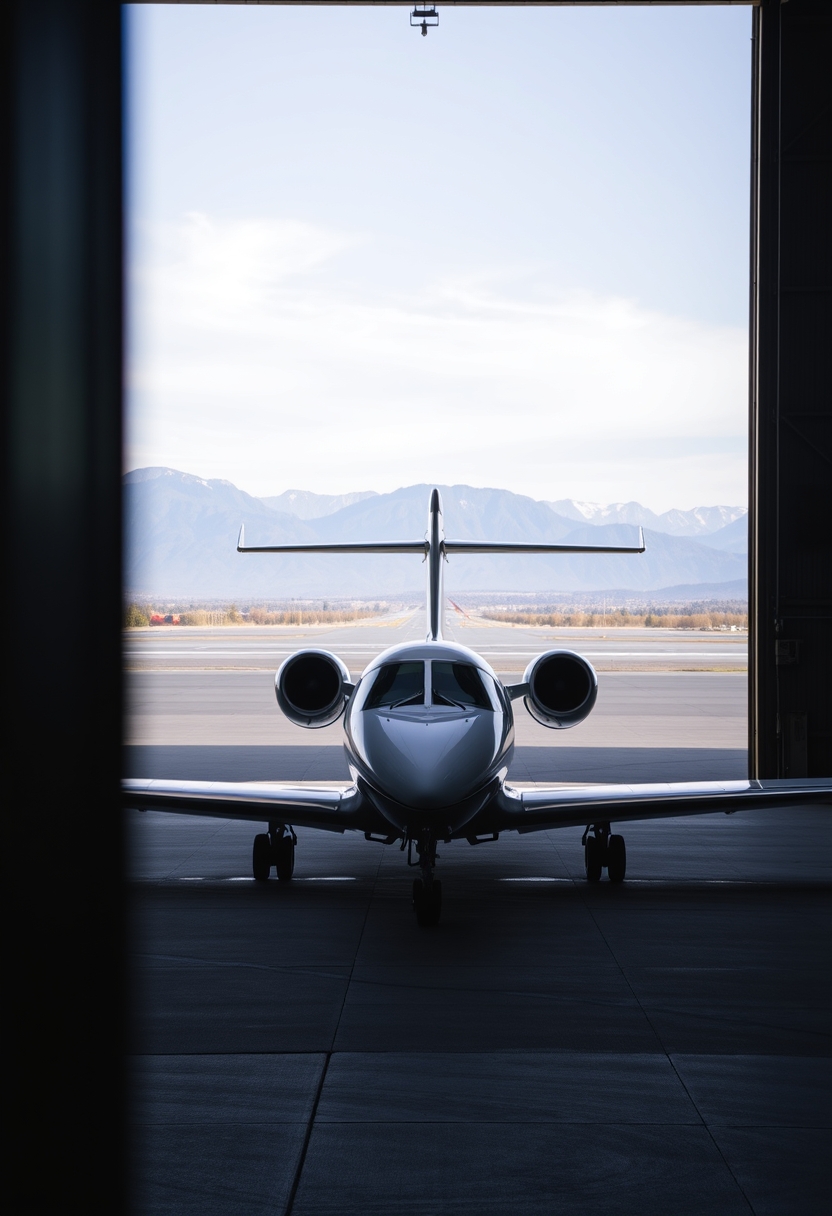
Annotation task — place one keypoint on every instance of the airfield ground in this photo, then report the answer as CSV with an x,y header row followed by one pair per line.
x,y
550,1047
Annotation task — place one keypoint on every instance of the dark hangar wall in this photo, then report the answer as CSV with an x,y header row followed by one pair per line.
x,y
60,82
790,575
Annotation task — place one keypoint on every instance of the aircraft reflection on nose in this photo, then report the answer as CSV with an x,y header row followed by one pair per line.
x,y
429,761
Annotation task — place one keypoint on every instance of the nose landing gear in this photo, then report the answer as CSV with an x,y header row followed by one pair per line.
x,y
277,848
427,890
603,850
427,902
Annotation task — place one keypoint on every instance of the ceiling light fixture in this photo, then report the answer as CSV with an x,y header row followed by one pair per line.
x,y
425,16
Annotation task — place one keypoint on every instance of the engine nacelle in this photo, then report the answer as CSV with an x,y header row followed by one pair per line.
x,y
312,688
563,687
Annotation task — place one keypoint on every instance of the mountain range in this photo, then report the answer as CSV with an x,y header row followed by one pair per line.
x,y
700,521
306,505
182,532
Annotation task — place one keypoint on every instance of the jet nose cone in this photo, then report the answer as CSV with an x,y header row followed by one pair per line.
x,y
426,763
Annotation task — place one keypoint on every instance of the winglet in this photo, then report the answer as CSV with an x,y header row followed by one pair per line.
x,y
641,543
241,539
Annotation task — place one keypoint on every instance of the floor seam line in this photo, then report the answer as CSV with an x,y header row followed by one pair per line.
x,y
329,1054
667,1056
711,1136
307,1134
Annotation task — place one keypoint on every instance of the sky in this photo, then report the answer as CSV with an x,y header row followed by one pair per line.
x,y
513,253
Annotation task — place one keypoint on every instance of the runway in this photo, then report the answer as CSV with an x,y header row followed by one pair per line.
x,y
506,647
201,703
550,1047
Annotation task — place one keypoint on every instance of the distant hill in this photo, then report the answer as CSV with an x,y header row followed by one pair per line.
x,y
699,522
470,514
182,534
733,538
306,505
737,589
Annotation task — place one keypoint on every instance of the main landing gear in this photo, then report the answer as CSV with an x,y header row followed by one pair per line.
x,y
603,850
427,890
275,848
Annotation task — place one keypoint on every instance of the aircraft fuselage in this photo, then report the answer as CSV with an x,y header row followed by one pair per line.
x,y
429,735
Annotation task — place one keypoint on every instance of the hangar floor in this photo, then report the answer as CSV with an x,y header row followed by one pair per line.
x,y
549,1048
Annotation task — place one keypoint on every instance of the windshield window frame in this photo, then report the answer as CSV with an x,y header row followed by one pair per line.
x,y
468,707
407,703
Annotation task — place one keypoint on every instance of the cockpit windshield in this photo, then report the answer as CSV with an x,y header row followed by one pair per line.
x,y
398,684
458,684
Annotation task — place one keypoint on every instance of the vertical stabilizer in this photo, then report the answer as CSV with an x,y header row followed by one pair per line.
x,y
435,558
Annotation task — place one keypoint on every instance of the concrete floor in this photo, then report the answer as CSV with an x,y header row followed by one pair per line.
x,y
550,1047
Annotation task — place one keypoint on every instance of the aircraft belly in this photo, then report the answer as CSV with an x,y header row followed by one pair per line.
x,y
444,820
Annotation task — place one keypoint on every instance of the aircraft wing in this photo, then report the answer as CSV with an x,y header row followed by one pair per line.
x,y
341,808
576,806
334,809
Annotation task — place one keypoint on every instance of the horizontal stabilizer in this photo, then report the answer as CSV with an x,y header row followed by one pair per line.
x,y
446,547
395,546
510,546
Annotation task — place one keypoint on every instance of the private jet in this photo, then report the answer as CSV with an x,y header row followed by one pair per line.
x,y
429,738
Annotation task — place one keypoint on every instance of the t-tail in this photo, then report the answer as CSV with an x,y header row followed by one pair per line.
x,y
436,568
435,550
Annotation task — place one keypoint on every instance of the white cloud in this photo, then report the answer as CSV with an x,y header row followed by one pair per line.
x,y
258,358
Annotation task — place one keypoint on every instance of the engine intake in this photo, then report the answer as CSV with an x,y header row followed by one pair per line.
x,y
312,688
562,688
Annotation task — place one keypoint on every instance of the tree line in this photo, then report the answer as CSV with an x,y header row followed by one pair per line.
x,y
622,618
137,616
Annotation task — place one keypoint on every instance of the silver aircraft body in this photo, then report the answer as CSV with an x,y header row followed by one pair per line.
x,y
429,736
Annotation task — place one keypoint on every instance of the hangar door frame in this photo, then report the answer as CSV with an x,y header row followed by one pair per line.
x,y
62,344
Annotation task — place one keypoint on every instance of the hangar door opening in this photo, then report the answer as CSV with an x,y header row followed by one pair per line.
x,y
508,259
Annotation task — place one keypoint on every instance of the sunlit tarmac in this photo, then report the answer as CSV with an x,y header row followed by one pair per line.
x,y
508,648
671,703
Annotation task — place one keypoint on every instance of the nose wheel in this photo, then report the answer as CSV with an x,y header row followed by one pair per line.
x,y
274,848
427,902
604,851
427,890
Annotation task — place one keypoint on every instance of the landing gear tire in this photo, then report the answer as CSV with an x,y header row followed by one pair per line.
x,y
427,904
284,858
616,859
593,858
261,857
